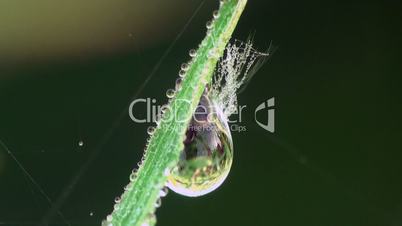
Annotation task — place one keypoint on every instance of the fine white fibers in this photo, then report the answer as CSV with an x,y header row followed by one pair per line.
x,y
235,68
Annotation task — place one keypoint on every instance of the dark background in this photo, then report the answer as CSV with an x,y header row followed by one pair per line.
x,y
335,158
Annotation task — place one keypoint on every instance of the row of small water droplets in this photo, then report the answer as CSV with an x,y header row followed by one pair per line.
x,y
170,94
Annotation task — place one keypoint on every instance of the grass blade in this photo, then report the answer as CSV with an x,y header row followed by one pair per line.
x,y
137,204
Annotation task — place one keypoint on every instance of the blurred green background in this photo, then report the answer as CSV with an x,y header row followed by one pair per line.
x,y
68,69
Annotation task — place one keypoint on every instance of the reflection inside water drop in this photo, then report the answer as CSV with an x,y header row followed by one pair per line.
x,y
208,152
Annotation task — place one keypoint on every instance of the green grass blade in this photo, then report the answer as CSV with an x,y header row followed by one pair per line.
x,y
137,204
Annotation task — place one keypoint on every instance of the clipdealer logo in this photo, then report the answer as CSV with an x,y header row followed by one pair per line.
x,y
269,107
154,112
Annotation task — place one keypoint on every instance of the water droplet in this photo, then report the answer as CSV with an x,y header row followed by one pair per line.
x,y
164,108
215,14
109,217
158,203
178,83
80,143
182,73
192,52
117,200
163,192
133,175
209,24
116,206
184,66
207,156
158,119
151,130
91,214
170,93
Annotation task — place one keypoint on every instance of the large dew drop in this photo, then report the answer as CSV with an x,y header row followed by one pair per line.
x,y
207,156
208,152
